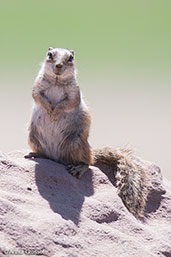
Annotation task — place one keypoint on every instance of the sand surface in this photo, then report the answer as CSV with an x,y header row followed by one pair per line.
x,y
45,210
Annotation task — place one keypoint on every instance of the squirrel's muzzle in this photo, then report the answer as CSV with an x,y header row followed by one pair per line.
x,y
59,65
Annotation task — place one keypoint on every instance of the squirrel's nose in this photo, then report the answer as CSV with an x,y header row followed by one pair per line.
x,y
59,65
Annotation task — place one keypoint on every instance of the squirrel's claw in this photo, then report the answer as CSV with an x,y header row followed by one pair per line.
x,y
33,155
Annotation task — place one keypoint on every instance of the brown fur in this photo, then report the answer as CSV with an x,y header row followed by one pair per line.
x,y
60,126
132,179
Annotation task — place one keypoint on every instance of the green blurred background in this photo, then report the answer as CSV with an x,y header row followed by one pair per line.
x,y
123,57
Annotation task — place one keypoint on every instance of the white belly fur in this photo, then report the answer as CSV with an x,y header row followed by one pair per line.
x,y
51,133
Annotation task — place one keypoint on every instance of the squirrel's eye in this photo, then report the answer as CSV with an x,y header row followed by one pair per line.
x,y
70,58
50,55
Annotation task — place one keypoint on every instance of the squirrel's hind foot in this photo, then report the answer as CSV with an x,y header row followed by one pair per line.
x,y
77,171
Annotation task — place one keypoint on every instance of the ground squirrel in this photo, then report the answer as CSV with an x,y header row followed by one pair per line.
x,y
60,126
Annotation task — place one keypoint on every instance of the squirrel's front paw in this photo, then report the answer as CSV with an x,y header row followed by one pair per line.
x,y
54,116
49,111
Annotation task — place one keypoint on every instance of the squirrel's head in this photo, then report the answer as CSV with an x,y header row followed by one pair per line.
x,y
60,62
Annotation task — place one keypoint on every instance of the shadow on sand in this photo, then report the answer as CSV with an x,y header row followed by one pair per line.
x,y
64,192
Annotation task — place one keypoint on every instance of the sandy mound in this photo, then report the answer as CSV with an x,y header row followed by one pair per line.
x,y
44,210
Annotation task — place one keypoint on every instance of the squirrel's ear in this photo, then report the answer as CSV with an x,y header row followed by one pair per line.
x,y
50,48
72,52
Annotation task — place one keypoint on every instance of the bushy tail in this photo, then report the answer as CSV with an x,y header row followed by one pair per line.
x,y
132,179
